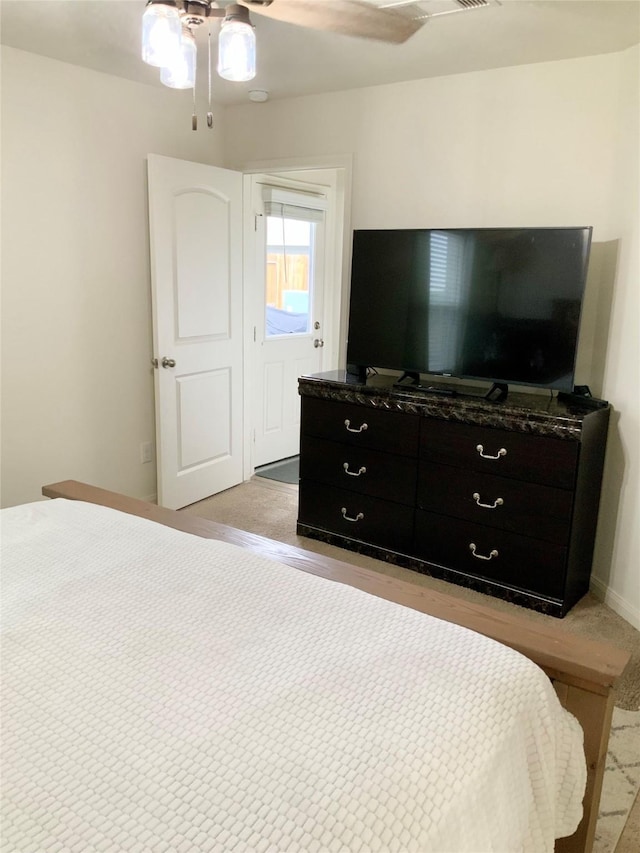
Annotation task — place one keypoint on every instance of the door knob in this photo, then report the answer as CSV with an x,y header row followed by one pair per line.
x,y
318,342
168,362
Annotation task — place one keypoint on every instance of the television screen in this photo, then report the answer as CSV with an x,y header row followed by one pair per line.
x,y
495,304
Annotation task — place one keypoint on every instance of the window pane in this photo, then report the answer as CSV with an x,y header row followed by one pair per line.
x,y
449,256
289,273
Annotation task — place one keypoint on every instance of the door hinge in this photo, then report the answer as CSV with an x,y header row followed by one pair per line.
x,y
254,334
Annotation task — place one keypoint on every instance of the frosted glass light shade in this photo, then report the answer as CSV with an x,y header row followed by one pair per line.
x,y
161,32
237,51
181,74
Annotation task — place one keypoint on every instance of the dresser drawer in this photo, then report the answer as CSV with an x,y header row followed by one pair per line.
x,y
498,555
368,472
543,512
360,426
535,458
354,516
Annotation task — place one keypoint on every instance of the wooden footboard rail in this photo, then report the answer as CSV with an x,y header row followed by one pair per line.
x,y
583,671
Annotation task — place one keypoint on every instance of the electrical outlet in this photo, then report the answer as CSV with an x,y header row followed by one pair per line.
x,y
145,451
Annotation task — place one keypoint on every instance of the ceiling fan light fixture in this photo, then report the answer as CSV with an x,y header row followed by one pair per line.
x,y
181,74
237,46
161,32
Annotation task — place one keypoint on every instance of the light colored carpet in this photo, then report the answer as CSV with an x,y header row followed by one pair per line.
x,y
269,508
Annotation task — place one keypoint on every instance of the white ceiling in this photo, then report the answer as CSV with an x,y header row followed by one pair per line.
x,y
105,35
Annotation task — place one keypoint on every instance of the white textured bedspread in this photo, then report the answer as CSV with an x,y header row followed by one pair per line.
x,y
166,693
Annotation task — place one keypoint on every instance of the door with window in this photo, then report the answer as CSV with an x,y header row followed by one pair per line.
x,y
288,312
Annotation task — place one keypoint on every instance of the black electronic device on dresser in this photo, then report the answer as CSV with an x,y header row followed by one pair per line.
x,y
499,496
496,304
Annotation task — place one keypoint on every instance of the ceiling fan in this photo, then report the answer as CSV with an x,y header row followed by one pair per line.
x,y
169,27
348,17
384,20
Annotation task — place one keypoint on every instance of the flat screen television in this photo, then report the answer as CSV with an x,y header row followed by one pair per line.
x,y
495,304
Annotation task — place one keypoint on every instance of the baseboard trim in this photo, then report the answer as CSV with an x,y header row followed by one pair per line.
x,y
150,499
615,602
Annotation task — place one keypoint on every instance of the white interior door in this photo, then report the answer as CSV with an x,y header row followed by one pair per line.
x,y
290,262
195,218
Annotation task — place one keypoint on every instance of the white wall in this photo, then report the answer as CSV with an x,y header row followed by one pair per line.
x,y
548,144
77,385
617,575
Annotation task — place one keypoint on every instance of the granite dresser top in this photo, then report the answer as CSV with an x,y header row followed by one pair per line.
x,y
540,414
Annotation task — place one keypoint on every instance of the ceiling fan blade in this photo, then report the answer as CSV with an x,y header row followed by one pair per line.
x,y
348,17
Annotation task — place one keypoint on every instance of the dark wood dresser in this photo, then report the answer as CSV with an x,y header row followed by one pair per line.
x,y
498,496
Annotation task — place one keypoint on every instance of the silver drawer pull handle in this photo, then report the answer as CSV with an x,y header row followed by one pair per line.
x,y
472,548
501,452
358,517
362,428
496,503
362,470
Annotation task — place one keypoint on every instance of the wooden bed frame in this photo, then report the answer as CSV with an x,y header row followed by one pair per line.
x,y
583,672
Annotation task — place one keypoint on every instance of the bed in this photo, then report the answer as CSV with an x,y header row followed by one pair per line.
x,y
165,691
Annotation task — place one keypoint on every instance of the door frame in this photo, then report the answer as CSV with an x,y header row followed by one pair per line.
x,y
338,235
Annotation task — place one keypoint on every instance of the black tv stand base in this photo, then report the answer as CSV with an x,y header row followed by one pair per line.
x,y
411,380
497,392
427,389
409,377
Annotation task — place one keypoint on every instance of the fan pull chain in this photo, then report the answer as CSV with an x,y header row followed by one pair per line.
x,y
194,117
209,114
